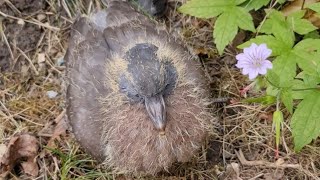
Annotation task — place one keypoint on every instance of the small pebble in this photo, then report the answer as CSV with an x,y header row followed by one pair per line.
x,y
60,61
21,22
41,58
41,17
52,94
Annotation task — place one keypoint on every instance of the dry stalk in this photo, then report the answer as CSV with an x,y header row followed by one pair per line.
x,y
5,38
278,164
32,22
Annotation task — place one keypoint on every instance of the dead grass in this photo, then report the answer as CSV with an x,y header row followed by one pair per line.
x,y
25,106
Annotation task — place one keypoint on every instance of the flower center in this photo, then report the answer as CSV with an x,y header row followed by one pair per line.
x,y
257,63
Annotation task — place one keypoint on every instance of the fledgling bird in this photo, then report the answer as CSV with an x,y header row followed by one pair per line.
x,y
136,97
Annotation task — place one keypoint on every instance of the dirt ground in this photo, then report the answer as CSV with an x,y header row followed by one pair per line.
x,y
34,38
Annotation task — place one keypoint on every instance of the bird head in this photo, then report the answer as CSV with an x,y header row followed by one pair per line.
x,y
148,80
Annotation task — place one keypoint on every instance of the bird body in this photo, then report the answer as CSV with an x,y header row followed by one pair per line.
x,y
136,98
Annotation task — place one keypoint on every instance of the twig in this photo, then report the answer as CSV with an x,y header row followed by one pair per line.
x,y
60,116
29,60
257,176
9,114
278,164
12,7
5,38
32,22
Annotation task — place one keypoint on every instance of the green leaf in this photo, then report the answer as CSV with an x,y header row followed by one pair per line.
x,y
285,67
245,22
276,24
302,88
298,25
228,21
277,121
225,29
309,45
315,7
276,46
273,78
281,1
286,98
272,91
311,81
274,18
255,4
298,84
312,35
238,2
306,54
305,122
207,8
265,100
260,82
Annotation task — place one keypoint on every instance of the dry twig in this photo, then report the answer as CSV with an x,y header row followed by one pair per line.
x,y
278,164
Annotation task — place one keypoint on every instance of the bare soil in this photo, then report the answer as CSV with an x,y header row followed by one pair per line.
x,y
24,36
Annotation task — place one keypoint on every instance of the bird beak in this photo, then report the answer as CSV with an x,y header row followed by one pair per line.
x,y
156,109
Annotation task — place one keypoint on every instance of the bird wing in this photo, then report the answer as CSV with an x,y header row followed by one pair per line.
x,y
85,61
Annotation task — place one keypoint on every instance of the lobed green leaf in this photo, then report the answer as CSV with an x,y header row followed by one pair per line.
x,y
315,7
276,24
207,8
255,4
285,67
287,99
245,22
277,47
305,122
225,29
298,25
306,54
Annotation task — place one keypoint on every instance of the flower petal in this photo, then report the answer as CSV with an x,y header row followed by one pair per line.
x,y
262,70
253,73
267,64
263,51
243,64
245,71
242,57
250,49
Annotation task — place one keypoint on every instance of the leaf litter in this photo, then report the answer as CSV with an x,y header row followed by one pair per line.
x,y
21,149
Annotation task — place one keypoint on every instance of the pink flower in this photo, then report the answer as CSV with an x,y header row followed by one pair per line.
x,y
253,60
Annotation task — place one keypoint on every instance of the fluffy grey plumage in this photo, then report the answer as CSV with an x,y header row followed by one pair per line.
x,y
153,7
136,98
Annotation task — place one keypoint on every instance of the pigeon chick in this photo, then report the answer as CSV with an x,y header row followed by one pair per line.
x,y
136,97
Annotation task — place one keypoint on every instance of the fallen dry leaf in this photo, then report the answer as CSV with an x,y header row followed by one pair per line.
x,y
30,167
301,4
232,172
296,6
24,146
60,128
